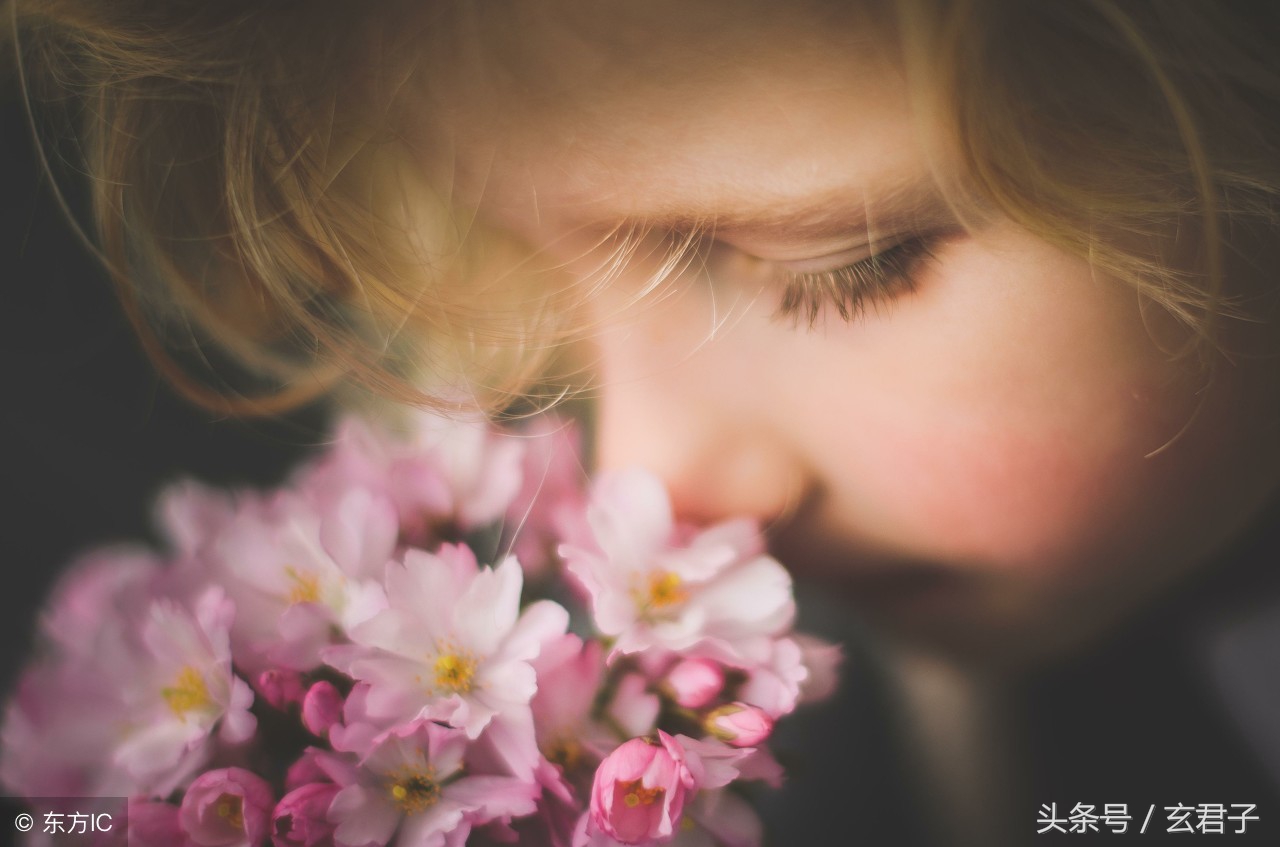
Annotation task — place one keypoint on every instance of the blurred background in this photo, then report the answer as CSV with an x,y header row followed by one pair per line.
x,y
88,432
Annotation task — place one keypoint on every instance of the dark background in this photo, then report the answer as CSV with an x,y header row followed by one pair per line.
x,y
88,431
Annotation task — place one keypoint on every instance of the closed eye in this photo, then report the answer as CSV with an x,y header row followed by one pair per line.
x,y
851,288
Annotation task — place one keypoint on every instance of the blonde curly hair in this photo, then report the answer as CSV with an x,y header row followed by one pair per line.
x,y
257,192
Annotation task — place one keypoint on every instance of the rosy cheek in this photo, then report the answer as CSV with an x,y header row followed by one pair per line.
x,y
997,498
1014,439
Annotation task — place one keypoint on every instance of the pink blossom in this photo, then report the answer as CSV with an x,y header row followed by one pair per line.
x,y
229,807
717,818
358,530
569,677
789,671
695,683
97,591
640,790
178,690
452,644
189,514
654,584
822,660
740,725
283,689
775,675
627,796
301,817
411,789
509,746
467,715
358,728
356,458
59,734
480,467
570,738
297,573
321,708
134,712
438,471
307,769
569,673
712,763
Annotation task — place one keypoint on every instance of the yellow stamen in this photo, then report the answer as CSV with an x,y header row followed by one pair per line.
x,y
188,693
413,790
455,672
231,808
306,586
637,794
664,589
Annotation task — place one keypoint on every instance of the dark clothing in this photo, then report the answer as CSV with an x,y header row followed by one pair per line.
x,y
1174,715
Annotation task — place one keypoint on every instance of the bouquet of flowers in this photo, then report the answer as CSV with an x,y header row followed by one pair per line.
x,y
329,662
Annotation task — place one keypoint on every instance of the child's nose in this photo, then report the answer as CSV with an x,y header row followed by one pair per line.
x,y
692,426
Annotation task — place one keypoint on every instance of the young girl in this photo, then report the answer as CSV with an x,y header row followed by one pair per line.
x,y
972,303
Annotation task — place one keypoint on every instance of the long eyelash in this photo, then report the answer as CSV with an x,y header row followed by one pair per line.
x,y
851,289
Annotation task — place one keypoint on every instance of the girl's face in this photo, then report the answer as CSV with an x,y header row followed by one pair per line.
x,y
995,455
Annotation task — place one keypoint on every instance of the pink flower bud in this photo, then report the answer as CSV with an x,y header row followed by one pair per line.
x,y
695,683
301,817
321,708
740,725
229,807
281,688
640,790
306,769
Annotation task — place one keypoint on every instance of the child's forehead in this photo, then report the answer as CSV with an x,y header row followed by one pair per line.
x,y
706,120
642,34
566,60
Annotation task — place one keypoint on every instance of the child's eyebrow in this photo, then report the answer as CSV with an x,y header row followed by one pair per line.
x,y
838,214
